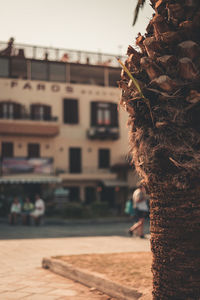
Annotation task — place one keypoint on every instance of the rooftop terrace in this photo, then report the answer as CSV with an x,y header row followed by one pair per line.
x,y
58,65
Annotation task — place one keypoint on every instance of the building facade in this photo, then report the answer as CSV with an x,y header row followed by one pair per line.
x,y
61,126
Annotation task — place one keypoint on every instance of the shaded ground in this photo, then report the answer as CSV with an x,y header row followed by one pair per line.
x,y
55,229
129,269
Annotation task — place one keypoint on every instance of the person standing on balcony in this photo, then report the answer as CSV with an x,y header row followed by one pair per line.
x,y
9,49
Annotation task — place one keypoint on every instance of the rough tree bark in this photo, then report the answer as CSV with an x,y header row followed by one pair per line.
x,y
165,141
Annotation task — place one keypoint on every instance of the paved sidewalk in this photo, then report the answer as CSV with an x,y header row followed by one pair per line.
x,y
21,275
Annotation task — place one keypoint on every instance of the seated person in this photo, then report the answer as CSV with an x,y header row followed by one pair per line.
x,y
15,211
39,210
26,211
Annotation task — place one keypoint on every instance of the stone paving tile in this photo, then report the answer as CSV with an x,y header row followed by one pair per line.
x,y
37,290
13,295
40,297
63,292
21,274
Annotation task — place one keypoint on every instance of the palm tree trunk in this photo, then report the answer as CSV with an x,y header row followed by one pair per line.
x,y
165,141
175,245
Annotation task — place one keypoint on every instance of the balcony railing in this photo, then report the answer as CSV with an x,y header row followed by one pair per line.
x,y
103,133
30,118
62,54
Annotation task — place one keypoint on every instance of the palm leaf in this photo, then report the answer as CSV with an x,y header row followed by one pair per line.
x,y
139,5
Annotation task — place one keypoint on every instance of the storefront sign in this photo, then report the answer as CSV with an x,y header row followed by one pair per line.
x,y
21,165
28,86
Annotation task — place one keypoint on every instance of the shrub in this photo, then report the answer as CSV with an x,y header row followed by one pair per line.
x,y
100,209
73,210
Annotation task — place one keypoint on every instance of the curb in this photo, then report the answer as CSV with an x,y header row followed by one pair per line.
x,y
91,279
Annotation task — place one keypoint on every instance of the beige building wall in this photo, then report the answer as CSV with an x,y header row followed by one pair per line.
x,y
29,92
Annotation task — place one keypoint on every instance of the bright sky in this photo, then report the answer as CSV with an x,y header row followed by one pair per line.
x,y
93,25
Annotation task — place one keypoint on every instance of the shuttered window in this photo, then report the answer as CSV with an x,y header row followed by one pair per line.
x,y
40,112
9,110
104,114
75,160
70,111
7,149
104,158
33,150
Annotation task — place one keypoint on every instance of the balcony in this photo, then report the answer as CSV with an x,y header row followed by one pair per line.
x,y
27,127
103,133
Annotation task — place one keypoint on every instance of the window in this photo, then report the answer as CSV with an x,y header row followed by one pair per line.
x,y
4,67
7,149
33,150
40,112
104,158
57,72
104,114
87,74
70,110
39,70
18,67
114,76
9,110
75,160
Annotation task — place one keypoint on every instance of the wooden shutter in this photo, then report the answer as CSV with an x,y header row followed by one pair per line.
x,y
114,114
75,160
7,149
33,150
34,109
70,111
104,158
47,112
93,118
16,111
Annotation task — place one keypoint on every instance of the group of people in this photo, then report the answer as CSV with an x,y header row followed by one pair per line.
x,y
27,211
138,208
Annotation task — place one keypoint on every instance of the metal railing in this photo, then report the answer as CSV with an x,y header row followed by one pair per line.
x,y
29,118
61,54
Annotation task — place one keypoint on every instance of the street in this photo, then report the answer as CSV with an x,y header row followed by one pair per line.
x,y
22,249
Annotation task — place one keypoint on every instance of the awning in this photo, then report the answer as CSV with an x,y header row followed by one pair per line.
x,y
114,183
27,178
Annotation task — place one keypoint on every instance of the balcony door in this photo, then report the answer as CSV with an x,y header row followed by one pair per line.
x,y
75,164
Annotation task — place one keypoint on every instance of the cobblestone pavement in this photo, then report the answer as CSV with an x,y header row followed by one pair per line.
x,y
21,275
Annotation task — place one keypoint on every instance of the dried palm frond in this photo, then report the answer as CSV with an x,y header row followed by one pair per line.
x,y
139,5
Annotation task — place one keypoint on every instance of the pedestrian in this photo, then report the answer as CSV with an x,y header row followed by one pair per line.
x,y
39,210
15,211
141,211
28,207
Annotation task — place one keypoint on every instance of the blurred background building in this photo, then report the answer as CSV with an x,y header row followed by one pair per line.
x,y
62,133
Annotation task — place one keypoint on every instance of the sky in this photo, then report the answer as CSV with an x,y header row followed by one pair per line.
x,y
91,25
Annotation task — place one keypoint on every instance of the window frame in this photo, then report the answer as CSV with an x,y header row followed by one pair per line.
x,y
101,158
38,150
70,117
3,151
